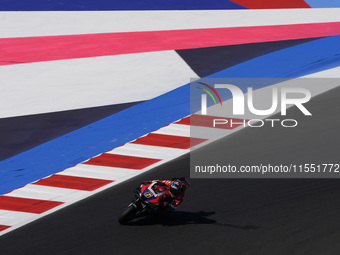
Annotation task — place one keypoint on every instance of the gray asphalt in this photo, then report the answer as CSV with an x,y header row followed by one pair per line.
x,y
218,216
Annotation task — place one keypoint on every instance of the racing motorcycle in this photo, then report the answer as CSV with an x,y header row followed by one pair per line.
x,y
147,201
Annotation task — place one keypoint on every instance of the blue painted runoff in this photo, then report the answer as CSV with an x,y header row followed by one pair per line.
x,y
100,5
323,3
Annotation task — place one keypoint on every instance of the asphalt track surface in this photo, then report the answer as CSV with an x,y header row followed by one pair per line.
x,y
218,216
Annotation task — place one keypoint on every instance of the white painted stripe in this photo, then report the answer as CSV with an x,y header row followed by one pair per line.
x,y
49,190
197,132
102,169
148,151
47,193
10,218
33,194
330,73
95,172
87,174
23,24
174,129
39,87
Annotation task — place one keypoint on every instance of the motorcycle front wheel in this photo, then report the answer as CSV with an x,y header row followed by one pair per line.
x,y
128,215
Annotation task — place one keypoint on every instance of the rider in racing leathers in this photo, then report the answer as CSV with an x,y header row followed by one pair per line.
x,y
173,192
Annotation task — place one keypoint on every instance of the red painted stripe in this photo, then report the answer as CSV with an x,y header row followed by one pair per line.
x,y
123,161
184,121
208,121
3,227
271,4
171,141
47,48
26,204
72,182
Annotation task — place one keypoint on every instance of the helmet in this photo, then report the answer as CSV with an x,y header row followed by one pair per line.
x,y
176,187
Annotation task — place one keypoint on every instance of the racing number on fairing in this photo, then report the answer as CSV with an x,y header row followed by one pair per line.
x,y
148,194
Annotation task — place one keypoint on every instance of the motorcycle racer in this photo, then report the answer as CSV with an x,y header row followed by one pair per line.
x,y
155,196
173,192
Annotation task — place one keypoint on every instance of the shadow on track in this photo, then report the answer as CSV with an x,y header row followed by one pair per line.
x,y
178,218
